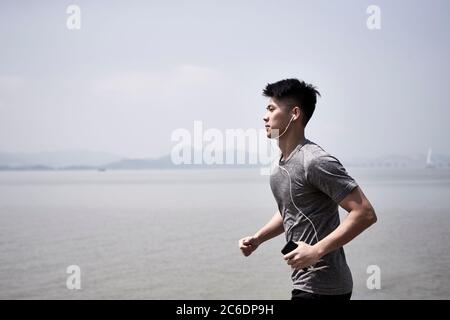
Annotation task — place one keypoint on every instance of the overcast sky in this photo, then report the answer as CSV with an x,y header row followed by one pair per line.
x,y
138,70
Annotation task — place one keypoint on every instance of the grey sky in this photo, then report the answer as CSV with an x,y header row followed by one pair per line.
x,y
137,70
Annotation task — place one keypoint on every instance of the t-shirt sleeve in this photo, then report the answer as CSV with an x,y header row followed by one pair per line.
x,y
328,175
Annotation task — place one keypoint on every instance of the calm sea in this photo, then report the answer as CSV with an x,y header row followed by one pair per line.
x,y
174,235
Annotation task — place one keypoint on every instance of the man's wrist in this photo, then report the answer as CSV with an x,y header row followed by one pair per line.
x,y
320,249
258,238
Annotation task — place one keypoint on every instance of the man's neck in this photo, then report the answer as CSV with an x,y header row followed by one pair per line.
x,y
289,142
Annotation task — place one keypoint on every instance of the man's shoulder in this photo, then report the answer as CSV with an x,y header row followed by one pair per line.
x,y
313,154
316,159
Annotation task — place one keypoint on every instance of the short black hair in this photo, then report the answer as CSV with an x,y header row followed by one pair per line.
x,y
296,92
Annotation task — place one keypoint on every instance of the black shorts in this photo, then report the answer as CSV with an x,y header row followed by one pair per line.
x,y
303,295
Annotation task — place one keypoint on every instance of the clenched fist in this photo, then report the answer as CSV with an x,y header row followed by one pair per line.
x,y
248,245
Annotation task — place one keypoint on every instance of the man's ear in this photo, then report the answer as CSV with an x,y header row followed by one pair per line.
x,y
298,113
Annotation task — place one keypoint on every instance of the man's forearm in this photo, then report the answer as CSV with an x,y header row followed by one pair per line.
x,y
272,229
355,223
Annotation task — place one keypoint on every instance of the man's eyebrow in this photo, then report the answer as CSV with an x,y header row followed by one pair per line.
x,y
270,106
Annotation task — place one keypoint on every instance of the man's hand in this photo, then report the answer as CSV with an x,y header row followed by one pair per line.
x,y
248,245
303,256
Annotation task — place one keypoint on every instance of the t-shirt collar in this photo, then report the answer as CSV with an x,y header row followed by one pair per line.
x,y
297,148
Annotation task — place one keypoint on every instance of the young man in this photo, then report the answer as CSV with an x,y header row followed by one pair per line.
x,y
308,185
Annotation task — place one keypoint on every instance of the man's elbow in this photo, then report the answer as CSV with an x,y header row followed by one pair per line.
x,y
370,217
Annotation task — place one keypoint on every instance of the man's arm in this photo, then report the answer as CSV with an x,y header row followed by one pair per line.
x,y
361,216
272,229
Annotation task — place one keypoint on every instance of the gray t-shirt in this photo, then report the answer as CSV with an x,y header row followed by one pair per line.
x,y
316,182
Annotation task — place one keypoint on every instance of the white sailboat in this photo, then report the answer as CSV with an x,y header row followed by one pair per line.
x,y
429,163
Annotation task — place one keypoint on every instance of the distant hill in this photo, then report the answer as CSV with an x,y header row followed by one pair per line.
x,y
165,162
25,168
131,164
90,160
56,159
397,160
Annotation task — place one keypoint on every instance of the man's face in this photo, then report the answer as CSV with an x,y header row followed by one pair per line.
x,y
276,117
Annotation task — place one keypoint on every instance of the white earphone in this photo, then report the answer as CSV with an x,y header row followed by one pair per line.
x,y
287,127
310,268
